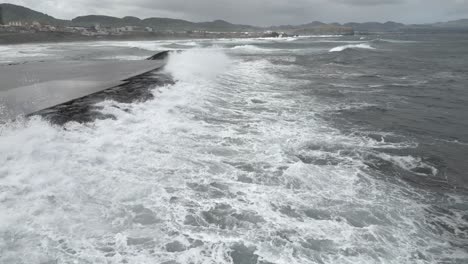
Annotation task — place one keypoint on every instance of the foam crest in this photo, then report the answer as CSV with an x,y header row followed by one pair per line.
x,y
352,46
195,63
249,48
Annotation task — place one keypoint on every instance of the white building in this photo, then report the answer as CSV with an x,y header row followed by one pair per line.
x,y
15,23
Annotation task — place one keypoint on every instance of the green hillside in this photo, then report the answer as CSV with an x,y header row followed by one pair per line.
x,y
10,13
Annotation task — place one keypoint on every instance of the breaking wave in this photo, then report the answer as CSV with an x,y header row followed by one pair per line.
x,y
352,46
192,64
250,48
231,164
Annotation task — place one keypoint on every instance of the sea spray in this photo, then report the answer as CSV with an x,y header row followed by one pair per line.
x,y
196,63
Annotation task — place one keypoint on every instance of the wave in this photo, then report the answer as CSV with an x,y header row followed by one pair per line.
x,y
177,46
197,62
143,45
412,164
324,36
395,41
248,48
225,162
190,43
352,46
124,57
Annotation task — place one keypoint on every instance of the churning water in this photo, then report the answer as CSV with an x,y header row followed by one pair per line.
x,y
305,150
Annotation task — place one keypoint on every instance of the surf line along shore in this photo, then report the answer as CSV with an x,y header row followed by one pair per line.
x,y
40,88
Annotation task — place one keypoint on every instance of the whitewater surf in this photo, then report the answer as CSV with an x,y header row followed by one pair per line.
x,y
247,151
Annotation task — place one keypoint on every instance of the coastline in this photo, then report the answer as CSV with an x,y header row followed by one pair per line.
x,y
8,38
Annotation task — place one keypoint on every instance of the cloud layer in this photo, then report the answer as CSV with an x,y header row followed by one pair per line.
x,y
261,12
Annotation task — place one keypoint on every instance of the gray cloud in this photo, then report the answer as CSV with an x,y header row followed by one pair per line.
x,y
369,2
261,12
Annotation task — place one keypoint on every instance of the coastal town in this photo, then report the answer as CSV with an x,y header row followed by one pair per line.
x,y
106,32
19,25
97,30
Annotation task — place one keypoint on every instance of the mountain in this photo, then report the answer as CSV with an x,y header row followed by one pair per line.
x,y
325,29
461,23
221,25
11,13
376,26
158,23
92,20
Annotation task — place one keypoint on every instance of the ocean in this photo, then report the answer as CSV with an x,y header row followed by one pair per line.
x,y
326,149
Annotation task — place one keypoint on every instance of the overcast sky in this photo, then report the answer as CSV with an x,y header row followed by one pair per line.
x,y
261,12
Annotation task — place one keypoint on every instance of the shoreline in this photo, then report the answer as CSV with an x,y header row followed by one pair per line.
x,y
58,37
8,38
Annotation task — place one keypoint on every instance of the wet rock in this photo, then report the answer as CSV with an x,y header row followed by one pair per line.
x,y
175,246
241,254
83,110
163,55
271,35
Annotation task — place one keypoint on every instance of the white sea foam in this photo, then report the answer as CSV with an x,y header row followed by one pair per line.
x,y
352,46
266,173
190,43
187,65
249,48
410,163
124,57
23,52
155,45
